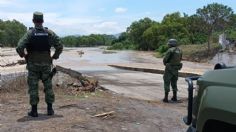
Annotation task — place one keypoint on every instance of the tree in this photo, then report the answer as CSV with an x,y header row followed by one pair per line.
x,y
90,40
136,30
197,34
215,16
11,32
152,37
231,29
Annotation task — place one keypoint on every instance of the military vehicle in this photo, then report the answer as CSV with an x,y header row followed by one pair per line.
x,y
212,101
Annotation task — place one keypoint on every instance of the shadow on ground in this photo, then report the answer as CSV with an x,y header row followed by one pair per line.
x,y
41,117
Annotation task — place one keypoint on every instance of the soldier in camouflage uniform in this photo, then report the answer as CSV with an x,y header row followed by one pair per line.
x,y
172,62
38,42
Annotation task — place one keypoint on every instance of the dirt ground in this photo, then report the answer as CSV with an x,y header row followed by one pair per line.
x,y
74,112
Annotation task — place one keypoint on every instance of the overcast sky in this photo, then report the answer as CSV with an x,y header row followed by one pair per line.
x,y
83,17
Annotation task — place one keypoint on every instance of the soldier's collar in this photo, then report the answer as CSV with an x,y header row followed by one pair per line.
x,y
39,27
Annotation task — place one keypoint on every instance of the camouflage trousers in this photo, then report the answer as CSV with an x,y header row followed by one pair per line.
x,y
37,72
170,78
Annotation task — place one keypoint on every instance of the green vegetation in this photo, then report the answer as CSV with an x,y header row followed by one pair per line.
x,y
199,53
198,33
193,52
11,32
87,41
200,28
214,17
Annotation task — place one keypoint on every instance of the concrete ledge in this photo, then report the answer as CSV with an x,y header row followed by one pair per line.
x,y
157,71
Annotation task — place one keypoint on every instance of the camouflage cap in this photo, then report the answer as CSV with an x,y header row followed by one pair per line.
x,y
38,16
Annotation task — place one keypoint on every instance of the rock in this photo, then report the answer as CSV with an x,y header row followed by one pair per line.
x,y
76,85
124,129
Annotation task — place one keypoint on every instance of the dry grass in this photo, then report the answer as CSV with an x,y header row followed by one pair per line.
x,y
199,52
13,83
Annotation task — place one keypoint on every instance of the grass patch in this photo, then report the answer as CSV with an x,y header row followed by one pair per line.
x,y
158,55
195,52
199,52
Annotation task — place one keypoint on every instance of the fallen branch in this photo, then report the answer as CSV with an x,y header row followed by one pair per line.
x,y
104,114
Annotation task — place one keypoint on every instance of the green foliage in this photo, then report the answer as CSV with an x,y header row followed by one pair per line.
x,y
202,27
162,49
215,17
136,30
145,34
123,45
231,29
11,32
87,41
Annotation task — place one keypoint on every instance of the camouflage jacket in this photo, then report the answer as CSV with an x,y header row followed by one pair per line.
x,y
40,57
173,56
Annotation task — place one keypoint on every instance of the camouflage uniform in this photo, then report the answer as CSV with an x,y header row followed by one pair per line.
x,y
172,61
38,41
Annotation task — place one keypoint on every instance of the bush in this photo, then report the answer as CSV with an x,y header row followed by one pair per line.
x,y
162,49
124,45
116,46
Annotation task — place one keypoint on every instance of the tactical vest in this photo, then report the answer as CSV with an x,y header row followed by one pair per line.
x,y
39,47
176,56
39,41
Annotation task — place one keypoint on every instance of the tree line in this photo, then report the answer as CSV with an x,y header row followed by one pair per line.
x,y
145,34
11,32
202,27
87,41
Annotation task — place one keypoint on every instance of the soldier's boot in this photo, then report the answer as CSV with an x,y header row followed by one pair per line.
x,y
165,100
50,109
34,111
174,98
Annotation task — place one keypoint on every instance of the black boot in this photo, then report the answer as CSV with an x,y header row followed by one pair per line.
x,y
50,109
174,98
34,111
165,100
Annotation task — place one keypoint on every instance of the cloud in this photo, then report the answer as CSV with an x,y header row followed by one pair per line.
x,y
120,10
109,27
68,25
5,2
22,17
96,27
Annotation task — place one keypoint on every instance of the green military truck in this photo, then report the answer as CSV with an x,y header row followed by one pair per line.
x,y
212,101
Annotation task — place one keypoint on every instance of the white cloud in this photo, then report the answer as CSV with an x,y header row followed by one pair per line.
x,y
5,2
120,10
68,25
108,27
22,17
104,27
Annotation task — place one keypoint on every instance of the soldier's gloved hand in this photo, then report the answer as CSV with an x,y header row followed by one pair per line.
x,y
55,57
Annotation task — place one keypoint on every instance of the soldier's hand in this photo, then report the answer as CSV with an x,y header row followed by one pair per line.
x,y
55,57
23,55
